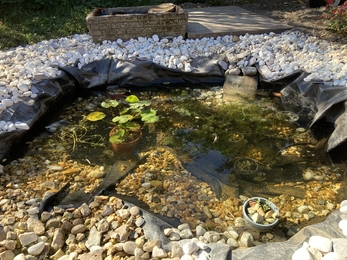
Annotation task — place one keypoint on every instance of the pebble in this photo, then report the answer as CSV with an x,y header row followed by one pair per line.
x,y
129,247
272,52
320,243
158,252
190,247
27,238
302,254
36,249
247,239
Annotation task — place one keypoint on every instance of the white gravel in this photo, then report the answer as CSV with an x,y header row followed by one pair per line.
x,y
276,54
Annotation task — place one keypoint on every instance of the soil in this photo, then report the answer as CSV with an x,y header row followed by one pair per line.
x,y
296,13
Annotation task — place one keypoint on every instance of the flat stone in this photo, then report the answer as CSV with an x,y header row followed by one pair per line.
x,y
183,226
229,20
58,239
176,250
129,247
53,223
158,252
27,238
186,233
247,239
36,249
103,226
80,228
237,88
149,245
107,210
85,210
36,226
7,255
323,244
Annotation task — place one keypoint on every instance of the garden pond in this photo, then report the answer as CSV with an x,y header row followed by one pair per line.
x,y
198,164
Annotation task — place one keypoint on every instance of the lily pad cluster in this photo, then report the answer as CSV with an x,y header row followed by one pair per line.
x,y
133,115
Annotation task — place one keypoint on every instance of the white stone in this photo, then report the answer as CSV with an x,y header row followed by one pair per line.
x,y
21,256
203,255
343,224
186,233
343,209
308,175
23,87
36,249
332,256
301,254
249,71
158,252
321,243
190,247
11,127
266,72
7,102
223,64
187,257
27,238
303,209
247,240
20,125
234,71
155,38
183,226
200,230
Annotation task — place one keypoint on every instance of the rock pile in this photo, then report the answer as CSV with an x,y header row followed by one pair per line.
x,y
322,248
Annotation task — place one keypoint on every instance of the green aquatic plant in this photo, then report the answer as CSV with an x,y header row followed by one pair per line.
x,y
133,115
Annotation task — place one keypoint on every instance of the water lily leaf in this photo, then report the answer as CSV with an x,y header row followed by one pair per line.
x,y
149,116
132,99
146,102
122,119
95,116
117,138
124,111
109,103
132,126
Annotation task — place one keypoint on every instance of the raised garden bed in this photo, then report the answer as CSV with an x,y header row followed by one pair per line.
x,y
131,22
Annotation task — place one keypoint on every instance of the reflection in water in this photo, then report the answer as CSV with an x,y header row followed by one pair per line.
x,y
209,137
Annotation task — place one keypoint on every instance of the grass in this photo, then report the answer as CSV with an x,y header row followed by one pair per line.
x,y
25,22
30,22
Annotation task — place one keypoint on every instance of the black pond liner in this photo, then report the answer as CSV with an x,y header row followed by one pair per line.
x,y
323,107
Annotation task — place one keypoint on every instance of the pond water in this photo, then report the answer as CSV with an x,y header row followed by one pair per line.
x,y
202,160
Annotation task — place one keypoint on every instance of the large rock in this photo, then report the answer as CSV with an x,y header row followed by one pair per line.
x,y
239,88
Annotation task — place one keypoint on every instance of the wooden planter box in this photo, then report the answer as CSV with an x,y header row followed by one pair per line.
x,y
131,22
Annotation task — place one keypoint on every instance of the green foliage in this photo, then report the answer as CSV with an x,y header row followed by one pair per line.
x,y
337,18
25,22
133,115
